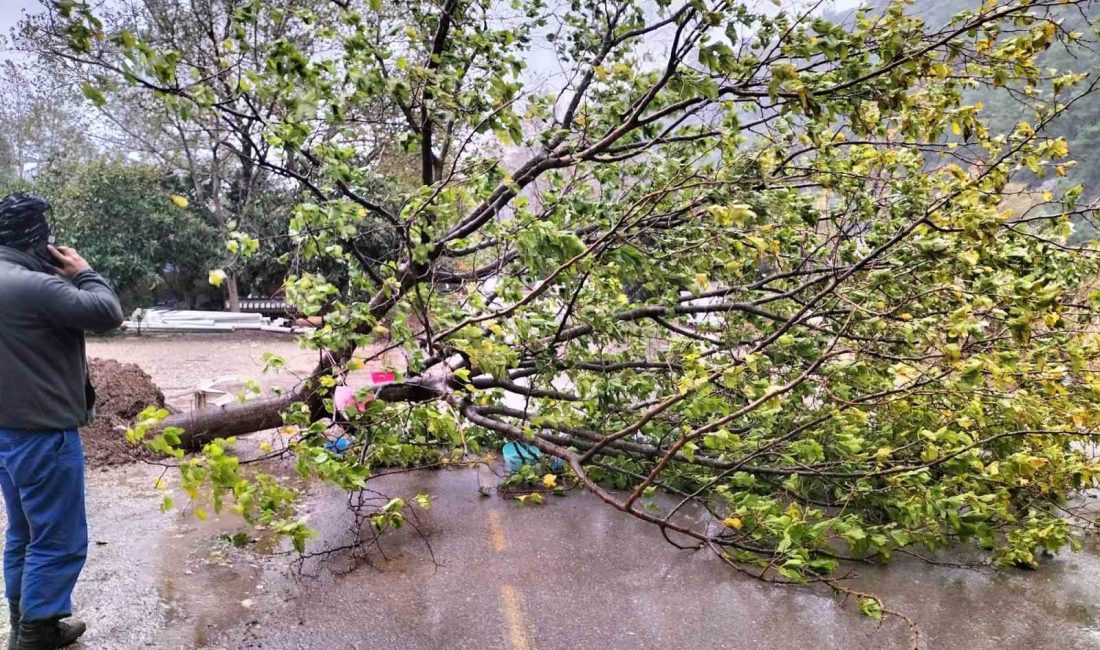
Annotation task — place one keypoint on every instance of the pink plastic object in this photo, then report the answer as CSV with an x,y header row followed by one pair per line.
x,y
381,377
344,396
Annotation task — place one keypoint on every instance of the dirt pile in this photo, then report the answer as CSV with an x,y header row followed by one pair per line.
x,y
122,391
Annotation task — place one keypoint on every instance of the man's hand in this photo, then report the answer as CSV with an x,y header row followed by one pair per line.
x,y
70,262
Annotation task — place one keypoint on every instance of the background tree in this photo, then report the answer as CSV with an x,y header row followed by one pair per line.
x,y
41,123
841,343
116,209
119,214
235,172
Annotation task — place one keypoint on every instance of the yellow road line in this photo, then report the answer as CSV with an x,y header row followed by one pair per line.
x,y
516,624
518,630
496,533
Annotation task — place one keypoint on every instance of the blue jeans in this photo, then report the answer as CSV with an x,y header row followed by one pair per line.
x,y
42,477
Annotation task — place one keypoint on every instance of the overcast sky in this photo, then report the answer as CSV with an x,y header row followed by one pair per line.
x,y
12,10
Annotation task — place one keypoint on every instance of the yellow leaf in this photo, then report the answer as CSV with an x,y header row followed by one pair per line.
x,y
1048,195
180,201
741,212
217,277
971,257
732,522
758,243
200,513
883,455
158,484
534,497
956,171
721,214
549,481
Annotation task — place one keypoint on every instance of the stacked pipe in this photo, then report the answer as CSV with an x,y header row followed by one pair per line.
x,y
166,320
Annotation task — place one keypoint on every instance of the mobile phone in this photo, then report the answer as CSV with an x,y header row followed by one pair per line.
x,y
42,250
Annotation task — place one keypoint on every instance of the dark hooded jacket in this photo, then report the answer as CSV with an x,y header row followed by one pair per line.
x,y
44,384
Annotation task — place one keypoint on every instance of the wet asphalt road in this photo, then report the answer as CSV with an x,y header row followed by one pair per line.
x,y
571,574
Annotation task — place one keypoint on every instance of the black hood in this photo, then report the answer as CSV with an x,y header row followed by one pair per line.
x,y
26,260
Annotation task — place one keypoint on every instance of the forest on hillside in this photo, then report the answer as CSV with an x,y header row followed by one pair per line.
x,y
1003,106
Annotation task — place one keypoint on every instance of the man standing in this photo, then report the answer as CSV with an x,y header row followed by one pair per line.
x,y
49,297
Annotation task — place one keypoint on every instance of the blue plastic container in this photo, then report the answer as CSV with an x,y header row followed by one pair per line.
x,y
517,454
338,446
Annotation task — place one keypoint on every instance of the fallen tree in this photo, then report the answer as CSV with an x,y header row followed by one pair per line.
x,y
200,426
771,263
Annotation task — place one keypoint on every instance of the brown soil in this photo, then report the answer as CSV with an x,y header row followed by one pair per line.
x,y
123,390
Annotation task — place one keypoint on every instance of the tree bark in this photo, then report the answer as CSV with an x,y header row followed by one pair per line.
x,y
232,293
203,425
200,426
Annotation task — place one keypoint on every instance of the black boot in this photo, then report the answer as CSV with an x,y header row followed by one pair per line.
x,y
49,634
13,633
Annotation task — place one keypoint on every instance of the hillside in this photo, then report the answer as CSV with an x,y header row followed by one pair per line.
x,y
1081,127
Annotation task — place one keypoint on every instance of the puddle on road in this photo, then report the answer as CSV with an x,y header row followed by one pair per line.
x,y
205,583
1057,605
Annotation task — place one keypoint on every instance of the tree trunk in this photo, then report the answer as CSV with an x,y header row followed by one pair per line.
x,y
232,293
203,425
200,426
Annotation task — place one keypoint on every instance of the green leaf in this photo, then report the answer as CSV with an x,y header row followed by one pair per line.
x,y
871,608
94,94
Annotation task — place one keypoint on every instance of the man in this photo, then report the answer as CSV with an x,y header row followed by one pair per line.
x,y
49,297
